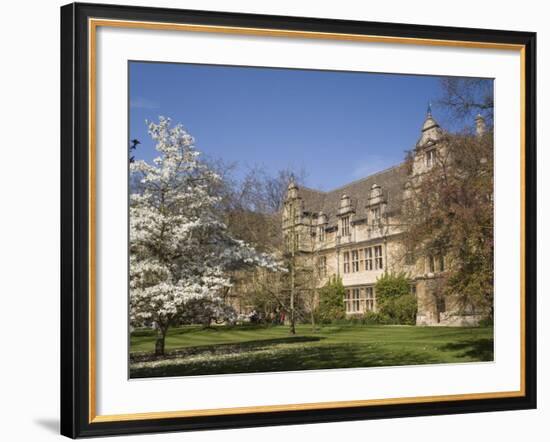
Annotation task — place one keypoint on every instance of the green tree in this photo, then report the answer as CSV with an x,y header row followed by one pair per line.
x,y
331,300
449,213
394,298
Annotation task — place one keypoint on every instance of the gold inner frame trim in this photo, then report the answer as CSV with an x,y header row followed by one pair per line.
x,y
93,24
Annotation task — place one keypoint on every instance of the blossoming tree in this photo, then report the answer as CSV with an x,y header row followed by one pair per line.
x,y
180,251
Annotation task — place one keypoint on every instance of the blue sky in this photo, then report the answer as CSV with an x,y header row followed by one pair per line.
x,y
337,126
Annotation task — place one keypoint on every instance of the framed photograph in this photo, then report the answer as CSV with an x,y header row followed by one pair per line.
x,y
274,220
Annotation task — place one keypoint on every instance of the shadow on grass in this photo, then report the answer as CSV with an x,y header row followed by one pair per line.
x,y
190,329
477,349
221,349
289,359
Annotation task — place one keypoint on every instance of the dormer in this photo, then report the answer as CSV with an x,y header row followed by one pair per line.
x,y
345,217
322,221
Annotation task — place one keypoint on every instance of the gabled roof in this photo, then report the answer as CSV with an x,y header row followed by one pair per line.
x,y
392,182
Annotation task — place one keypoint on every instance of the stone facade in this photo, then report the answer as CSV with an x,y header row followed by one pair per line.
x,y
353,231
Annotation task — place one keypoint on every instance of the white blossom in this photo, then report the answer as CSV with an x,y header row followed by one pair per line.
x,y
180,251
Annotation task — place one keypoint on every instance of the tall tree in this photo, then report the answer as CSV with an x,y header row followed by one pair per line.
x,y
300,257
254,213
464,98
180,250
449,218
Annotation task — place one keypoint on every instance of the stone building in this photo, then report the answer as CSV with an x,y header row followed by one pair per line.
x,y
353,231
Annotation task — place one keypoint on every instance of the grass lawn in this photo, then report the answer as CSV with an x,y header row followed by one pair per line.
x,y
194,350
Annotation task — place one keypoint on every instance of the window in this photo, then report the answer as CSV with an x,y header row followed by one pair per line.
x,y
355,300
431,264
376,253
345,226
355,261
430,158
296,241
322,266
368,258
378,261
322,234
412,288
441,307
347,301
369,300
436,263
441,263
375,215
346,262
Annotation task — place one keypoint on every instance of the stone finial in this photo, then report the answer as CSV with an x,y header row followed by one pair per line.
x,y
292,190
480,125
375,196
345,205
344,201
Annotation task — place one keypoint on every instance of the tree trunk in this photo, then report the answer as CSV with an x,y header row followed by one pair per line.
x,y
292,294
159,344
312,313
292,273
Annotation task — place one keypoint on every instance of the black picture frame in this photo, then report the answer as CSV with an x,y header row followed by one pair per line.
x,y
75,221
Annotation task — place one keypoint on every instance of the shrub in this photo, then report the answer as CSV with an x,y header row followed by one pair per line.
x,y
376,318
395,300
367,318
391,285
331,301
405,308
